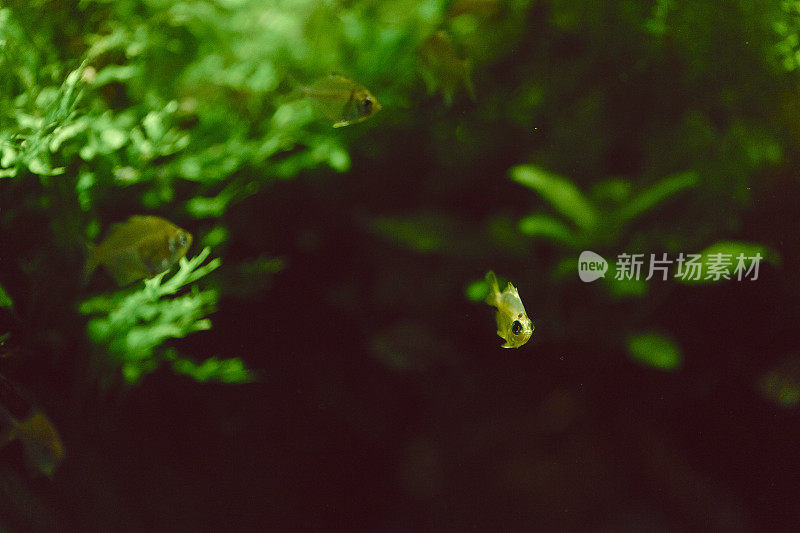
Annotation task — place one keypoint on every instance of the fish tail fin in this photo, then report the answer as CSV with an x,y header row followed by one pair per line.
x,y
290,89
295,88
494,289
296,93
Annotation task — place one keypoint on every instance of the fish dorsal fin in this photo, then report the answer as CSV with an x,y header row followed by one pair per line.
x,y
145,219
494,289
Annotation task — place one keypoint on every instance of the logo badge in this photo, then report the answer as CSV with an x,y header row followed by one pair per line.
x,y
591,266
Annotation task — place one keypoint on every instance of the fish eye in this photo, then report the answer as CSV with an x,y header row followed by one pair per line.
x,y
367,105
516,327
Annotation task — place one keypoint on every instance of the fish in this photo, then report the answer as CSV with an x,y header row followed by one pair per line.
x,y
443,69
141,247
513,324
40,441
341,100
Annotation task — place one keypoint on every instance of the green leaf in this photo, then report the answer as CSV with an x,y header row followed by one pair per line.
x,y
422,233
626,288
612,190
734,257
566,268
213,369
780,384
657,193
656,351
503,230
112,73
547,227
201,207
747,248
216,236
5,299
562,194
477,290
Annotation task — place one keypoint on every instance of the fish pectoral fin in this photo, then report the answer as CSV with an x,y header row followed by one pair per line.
x,y
507,343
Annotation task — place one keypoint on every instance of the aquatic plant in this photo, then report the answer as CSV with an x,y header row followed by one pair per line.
x,y
185,107
131,325
5,299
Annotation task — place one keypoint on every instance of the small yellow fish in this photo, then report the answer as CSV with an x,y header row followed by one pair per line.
x,y
141,247
342,100
442,68
40,441
513,325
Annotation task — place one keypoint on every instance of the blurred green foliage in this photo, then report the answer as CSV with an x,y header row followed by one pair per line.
x,y
655,350
477,290
787,28
780,384
422,233
733,255
212,369
5,299
599,222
